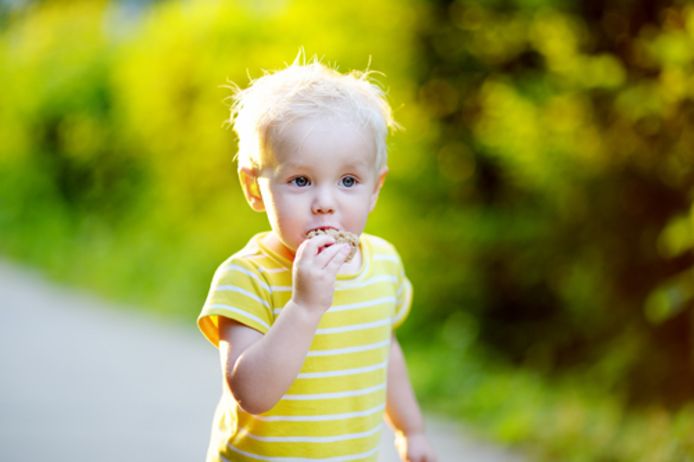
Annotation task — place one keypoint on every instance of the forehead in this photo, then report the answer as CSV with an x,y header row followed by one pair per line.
x,y
310,140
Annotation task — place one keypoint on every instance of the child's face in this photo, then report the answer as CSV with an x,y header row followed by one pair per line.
x,y
322,173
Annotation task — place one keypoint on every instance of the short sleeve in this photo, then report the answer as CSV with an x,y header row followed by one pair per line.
x,y
403,294
238,291
404,304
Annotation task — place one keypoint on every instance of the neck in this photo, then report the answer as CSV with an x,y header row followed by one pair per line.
x,y
273,242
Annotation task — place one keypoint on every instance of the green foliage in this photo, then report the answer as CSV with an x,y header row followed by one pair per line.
x,y
570,121
569,419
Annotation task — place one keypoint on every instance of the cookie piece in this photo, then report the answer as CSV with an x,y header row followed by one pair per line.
x,y
339,236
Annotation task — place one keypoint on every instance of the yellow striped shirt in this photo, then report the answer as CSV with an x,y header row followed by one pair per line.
x,y
334,408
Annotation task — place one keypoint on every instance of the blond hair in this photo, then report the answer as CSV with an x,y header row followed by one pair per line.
x,y
306,90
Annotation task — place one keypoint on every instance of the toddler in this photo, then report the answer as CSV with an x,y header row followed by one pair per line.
x,y
309,360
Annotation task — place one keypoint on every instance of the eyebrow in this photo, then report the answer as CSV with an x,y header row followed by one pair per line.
x,y
299,166
293,165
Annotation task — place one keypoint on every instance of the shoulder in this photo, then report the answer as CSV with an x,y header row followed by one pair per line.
x,y
377,243
248,263
245,258
381,249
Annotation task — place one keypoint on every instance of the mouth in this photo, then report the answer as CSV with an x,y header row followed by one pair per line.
x,y
344,237
321,228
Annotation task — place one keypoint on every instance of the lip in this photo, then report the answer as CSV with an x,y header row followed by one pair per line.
x,y
322,228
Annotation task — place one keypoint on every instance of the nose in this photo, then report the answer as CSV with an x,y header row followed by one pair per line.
x,y
323,202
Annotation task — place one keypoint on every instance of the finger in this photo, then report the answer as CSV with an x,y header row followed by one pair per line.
x,y
319,243
326,254
336,257
312,247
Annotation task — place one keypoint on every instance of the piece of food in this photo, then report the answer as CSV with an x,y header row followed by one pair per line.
x,y
339,236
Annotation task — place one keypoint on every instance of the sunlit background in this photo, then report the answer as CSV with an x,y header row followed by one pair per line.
x,y
540,195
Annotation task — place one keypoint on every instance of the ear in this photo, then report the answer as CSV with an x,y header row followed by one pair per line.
x,y
248,177
377,189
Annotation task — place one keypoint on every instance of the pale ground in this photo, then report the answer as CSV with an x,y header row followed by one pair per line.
x,y
84,380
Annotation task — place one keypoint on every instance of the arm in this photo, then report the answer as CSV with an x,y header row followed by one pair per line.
x,y
259,369
402,411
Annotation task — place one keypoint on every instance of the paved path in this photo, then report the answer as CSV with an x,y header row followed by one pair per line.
x,y
84,380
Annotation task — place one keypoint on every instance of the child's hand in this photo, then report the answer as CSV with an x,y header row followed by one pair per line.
x,y
315,268
414,448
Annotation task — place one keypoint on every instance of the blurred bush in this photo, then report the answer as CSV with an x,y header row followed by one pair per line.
x,y
565,175
565,155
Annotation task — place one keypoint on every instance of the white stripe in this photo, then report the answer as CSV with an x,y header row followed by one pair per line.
x,y
399,317
311,439
254,255
368,325
243,270
260,281
251,295
354,371
320,418
385,257
339,394
359,284
363,455
242,312
342,351
274,270
405,305
354,306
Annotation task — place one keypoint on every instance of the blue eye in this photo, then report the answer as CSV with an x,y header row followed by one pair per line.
x,y
348,181
300,181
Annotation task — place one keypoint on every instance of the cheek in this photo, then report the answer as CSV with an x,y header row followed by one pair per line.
x,y
286,214
359,210
272,197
